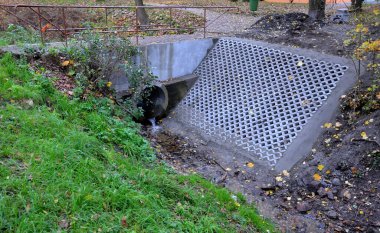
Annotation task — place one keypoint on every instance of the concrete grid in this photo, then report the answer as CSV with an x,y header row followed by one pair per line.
x,y
263,99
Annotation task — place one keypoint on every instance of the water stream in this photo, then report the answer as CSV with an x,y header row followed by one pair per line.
x,y
155,128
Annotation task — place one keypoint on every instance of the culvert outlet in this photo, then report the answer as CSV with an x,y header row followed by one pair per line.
x,y
155,102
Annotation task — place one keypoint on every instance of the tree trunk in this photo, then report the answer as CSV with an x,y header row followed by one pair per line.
x,y
356,5
317,9
142,16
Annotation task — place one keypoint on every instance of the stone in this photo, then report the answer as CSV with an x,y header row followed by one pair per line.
x,y
315,161
324,184
330,195
313,186
267,186
336,182
345,194
332,214
322,192
303,207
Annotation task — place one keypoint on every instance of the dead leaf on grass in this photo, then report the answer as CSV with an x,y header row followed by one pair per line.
x,y
124,221
64,224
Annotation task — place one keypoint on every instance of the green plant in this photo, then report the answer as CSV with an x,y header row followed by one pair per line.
x,y
365,47
96,58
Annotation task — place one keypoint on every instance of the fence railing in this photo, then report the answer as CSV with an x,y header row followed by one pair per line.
x,y
44,25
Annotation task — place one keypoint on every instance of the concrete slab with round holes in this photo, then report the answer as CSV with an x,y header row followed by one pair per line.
x,y
267,101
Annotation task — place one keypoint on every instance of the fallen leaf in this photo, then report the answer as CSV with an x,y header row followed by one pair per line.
x,y
46,27
317,177
327,125
305,103
269,192
338,124
109,84
364,135
250,112
250,165
228,169
27,207
378,95
290,77
124,221
278,178
65,63
320,167
285,173
354,170
64,224
299,63
328,172
368,121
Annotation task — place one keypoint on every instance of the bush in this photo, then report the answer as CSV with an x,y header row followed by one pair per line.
x,y
95,58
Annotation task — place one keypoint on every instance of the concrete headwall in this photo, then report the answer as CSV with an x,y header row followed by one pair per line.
x,y
177,59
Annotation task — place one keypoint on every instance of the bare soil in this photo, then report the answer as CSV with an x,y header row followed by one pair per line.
x,y
297,30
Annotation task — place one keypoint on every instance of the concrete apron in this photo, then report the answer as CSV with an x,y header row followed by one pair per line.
x,y
242,82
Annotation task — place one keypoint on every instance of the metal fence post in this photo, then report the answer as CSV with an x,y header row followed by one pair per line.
x,y
40,24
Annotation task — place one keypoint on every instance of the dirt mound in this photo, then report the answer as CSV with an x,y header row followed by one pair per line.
x,y
290,22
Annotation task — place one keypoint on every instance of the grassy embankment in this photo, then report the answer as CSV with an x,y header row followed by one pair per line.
x,y
82,166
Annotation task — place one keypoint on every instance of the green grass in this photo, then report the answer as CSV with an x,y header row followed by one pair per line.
x,y
81,166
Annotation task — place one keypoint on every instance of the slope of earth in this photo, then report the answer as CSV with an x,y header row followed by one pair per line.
x,y
80,165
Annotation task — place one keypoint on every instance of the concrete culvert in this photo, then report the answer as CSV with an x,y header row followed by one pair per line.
x,y
156,102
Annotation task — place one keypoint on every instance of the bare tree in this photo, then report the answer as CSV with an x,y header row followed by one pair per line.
x,y
317,9
142,16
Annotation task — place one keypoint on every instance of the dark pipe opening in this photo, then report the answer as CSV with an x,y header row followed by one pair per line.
x,y
155,102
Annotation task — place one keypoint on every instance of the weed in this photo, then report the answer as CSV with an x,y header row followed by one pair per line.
x,y
17,35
